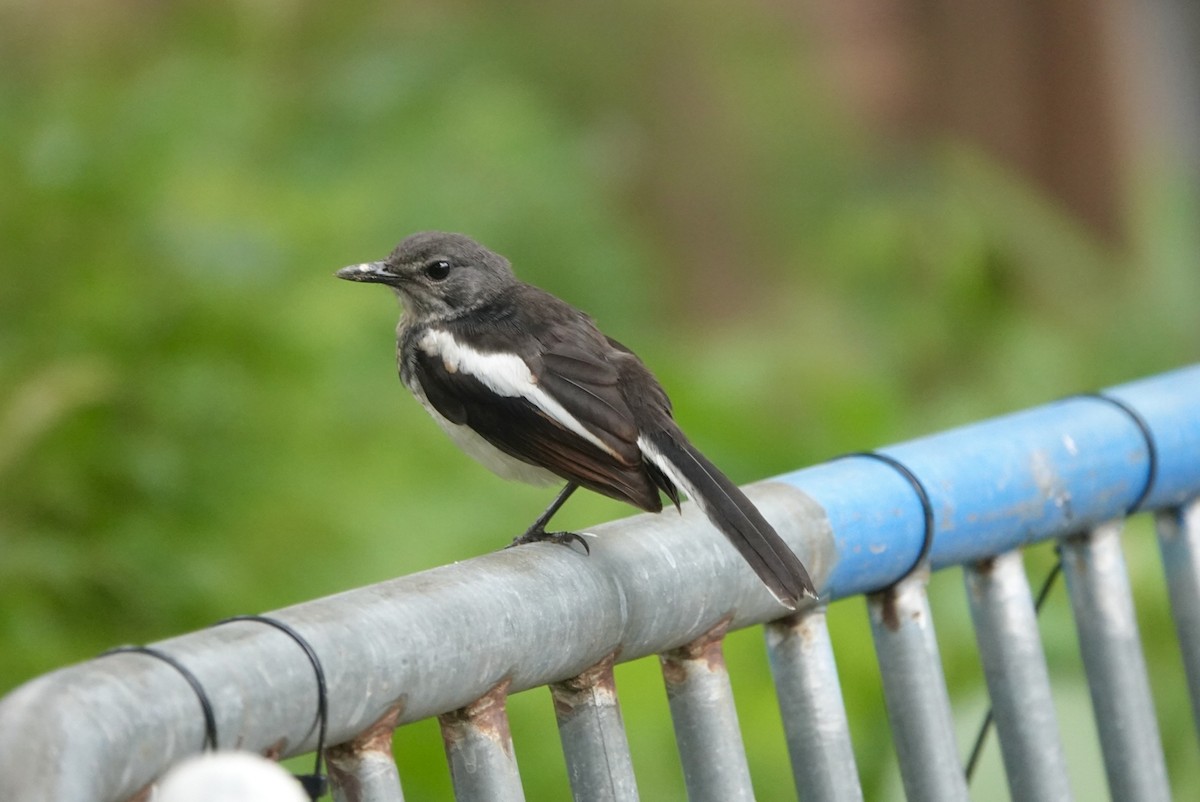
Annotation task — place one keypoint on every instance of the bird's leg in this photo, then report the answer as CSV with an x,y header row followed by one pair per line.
x,y
537,531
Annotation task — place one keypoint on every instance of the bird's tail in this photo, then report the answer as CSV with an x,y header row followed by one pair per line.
x,y
731,512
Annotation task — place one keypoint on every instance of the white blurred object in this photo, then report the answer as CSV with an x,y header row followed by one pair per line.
x,y
229,777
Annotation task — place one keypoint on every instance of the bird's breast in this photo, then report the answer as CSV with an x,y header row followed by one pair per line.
x,y
479,449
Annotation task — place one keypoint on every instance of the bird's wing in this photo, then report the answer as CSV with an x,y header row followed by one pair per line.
x,y
587,386
560,408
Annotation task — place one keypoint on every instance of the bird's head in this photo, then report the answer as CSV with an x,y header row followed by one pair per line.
x,y
437,275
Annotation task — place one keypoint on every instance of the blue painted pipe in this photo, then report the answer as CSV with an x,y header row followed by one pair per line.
x,y
1003,483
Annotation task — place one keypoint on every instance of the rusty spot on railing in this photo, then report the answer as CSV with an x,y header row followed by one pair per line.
x,y
705,649
275,750
590,686
810,628
887,608
485,716
376,739
888,601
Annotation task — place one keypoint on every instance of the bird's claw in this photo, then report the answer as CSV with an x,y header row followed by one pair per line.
x,y
542,536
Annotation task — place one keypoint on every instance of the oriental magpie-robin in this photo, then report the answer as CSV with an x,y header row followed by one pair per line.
x,y
528,386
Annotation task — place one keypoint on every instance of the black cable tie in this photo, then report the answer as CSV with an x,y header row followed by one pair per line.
x,y
317,783
1151,446
922,496
210,719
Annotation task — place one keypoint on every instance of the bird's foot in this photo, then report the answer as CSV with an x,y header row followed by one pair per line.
x,y
542,536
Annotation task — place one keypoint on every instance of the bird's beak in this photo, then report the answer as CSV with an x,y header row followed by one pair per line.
x,y
376,272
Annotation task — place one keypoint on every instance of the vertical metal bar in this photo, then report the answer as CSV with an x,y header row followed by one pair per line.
x,y
479,748
914,689
810,699
706,726
363,770
1179,541
593,735
1116,670
1007,633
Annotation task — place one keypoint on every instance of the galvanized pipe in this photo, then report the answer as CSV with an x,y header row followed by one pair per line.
x,y
914,689
479,748
1179,542
84,732
415,641
363,770
1102,604
706,725
1015,667
599,765
810,701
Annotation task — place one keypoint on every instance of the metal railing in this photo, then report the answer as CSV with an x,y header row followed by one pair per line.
x,y
453,642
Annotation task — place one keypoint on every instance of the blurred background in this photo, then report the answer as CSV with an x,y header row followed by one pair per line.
x,y
861,220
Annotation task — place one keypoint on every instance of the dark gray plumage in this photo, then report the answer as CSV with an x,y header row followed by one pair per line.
x,y
526,384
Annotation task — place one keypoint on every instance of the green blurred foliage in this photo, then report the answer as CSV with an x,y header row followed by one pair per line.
x,y
196,420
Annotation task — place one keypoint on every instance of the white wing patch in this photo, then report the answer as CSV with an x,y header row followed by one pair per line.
x,y
505,375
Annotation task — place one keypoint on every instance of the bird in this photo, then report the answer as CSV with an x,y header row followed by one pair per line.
x,y
529,386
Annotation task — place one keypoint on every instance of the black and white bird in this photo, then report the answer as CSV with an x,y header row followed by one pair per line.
x,y
527,385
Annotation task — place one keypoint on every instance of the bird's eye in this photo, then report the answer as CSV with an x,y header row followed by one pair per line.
x,y
437,270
